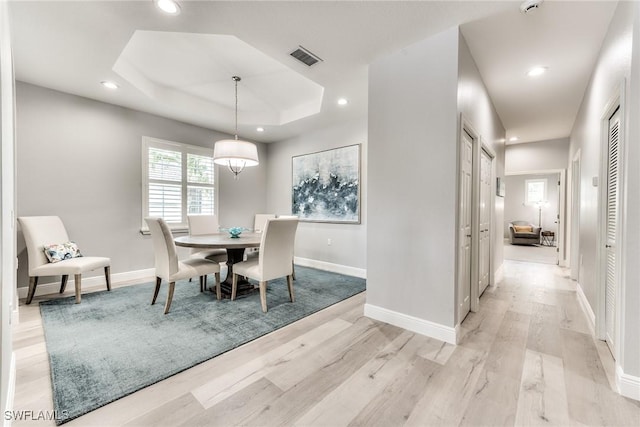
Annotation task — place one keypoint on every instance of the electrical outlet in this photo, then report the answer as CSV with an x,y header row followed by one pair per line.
x,y
328,242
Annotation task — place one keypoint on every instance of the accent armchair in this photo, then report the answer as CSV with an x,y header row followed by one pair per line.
x,y
46,230
524,233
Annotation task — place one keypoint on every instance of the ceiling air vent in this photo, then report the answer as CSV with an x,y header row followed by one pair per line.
x,y
304,56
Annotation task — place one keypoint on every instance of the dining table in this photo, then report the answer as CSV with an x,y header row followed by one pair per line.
x,y
235,247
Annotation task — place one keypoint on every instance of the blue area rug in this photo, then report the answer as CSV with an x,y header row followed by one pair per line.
x,y
116,343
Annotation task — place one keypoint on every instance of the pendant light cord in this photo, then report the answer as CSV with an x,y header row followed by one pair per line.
x,y
236,79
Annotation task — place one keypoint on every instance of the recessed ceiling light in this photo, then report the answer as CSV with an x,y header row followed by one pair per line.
x,y
169,7
260,129
536,71
109,84
343,101
513,138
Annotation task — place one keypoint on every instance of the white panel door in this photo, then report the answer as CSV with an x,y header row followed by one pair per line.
x,y
464,232
611,228
485,222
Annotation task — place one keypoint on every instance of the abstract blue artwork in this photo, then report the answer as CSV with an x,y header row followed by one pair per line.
x,y
326,185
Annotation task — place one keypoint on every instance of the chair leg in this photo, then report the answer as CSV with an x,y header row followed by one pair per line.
x,y
155,293
107,276
218,292
292,296
263,296
234,286
63,283
204,283
33,283
167,306
201,279
78,279
293,271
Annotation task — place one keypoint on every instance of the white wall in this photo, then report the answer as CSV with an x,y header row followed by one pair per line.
x,y
613,68
348,241
412,185
7,205
81,159
537,156
515,208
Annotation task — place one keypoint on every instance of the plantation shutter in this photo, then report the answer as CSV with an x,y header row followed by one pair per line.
x,y
178,180
165,184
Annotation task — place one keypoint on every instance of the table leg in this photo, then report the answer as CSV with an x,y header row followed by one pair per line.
x,y
244,287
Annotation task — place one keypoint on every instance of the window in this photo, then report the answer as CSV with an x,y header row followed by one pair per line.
x,y
535,191
178,180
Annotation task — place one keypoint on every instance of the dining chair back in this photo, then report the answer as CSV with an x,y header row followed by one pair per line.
x,y
164,248
276,248
205,224
260,220
170,268
39,231
274,260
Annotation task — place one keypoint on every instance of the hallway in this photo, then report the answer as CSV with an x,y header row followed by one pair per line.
x,y
526,358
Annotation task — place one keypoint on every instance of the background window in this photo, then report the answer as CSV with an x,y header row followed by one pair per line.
x,y
535,191
179,180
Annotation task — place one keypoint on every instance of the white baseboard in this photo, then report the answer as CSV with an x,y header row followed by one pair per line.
x,y
628,385
328,266
586,308
11,391
413,324
89,282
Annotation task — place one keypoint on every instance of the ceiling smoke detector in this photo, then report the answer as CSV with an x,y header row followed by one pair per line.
x,y
530,5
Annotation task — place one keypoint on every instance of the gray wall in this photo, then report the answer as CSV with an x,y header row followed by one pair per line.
x,y
80,159
416,97
476,106
537,156
618,63
515,208
412,182
348,247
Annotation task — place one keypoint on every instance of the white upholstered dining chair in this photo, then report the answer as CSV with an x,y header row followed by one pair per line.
x,y
259,221
274,259
205,224
41,231
169,268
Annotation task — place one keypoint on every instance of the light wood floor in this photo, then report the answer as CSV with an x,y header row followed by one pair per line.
x,y
527,358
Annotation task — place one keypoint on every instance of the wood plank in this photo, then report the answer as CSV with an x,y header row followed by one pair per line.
x,y
393,406
237,378
543,397
544,332
296,401
344,403
457,378
171,413
241,405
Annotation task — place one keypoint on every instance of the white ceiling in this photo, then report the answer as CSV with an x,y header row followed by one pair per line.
x,y
72,46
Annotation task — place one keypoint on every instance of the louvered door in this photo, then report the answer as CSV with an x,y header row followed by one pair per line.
x,y
611,228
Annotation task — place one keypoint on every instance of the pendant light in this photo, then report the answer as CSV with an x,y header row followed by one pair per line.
x,y
234,153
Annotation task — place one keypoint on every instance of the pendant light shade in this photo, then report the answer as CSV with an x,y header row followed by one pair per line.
x,y
230,150
234,153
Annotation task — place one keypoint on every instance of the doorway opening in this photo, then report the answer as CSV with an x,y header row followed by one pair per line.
x,y
533,208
